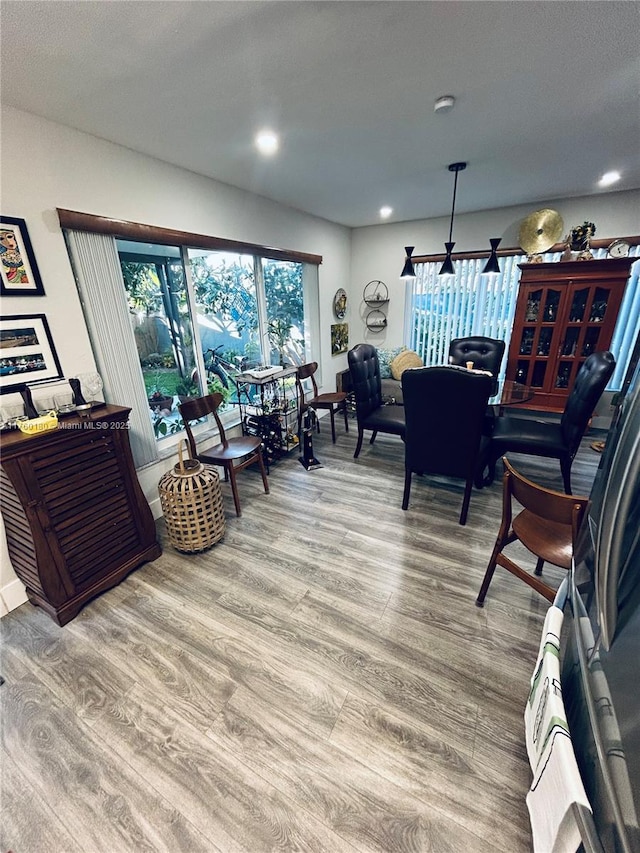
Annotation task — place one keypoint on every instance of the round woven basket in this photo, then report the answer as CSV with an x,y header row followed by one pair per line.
x,y
191,501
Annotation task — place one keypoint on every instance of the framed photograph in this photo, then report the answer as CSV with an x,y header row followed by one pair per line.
x,y
19,274
339,338
27,353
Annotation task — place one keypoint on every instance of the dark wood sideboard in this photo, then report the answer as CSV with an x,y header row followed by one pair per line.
x,y
76,519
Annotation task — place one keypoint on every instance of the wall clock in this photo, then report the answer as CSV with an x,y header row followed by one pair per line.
x,y
619,249
340,303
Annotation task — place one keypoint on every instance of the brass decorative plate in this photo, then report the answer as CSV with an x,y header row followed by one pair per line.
x,y
540,230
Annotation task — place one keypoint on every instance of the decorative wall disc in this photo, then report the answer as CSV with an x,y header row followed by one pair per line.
x,y
340,303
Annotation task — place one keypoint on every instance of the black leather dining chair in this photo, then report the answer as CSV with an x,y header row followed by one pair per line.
x,y
485,353
371,414
552,439
444,412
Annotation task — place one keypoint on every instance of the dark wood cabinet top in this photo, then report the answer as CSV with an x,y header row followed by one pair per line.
x,y
13,442
577,269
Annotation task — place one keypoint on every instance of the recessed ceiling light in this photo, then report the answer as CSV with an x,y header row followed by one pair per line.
x,y
609,178
267,142
385,212
444,104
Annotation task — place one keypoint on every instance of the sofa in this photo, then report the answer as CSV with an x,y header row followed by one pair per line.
x,y
393,362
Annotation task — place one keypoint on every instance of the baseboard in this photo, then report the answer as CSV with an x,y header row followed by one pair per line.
x,y
12,595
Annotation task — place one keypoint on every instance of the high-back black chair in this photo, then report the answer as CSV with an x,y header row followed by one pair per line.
x,y
364,369
556,440
485,353
444,412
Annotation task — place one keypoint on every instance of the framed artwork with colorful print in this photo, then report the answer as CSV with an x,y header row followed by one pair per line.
x,y
19,275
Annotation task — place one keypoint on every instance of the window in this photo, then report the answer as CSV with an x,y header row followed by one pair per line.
x,y
200,317
445,307
159,284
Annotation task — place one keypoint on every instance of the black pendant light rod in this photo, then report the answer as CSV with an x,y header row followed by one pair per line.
x,y
455,167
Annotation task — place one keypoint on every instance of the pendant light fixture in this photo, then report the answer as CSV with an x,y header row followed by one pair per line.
x,y
408,270
491,266
447,266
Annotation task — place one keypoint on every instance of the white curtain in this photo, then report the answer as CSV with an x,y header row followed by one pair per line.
x,y
102,293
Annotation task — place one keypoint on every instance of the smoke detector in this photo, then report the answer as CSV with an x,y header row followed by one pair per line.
x,y
444,104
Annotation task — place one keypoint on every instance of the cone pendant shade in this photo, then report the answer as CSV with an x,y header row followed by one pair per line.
x,y
408,270
492,266
447,266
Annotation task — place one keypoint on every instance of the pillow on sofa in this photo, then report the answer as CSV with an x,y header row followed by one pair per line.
x,y
403,361
385,357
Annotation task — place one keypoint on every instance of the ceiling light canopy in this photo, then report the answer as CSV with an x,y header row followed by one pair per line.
x,y
491,267
267,142
385,211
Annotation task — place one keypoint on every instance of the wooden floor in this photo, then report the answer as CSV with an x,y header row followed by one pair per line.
x,y
320,680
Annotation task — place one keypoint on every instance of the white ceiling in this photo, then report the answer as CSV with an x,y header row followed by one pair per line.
x,y
547,94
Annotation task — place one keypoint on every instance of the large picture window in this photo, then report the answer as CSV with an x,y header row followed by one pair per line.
x,y
151,296
200,317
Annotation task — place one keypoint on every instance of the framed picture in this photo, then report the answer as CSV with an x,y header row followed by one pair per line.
x,y
19,274
27,353
339,338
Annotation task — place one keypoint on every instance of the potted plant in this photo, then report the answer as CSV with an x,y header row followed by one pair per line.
x,y
159,399
187,389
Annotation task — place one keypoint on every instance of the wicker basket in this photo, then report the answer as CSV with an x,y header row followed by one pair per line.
x,y
192,506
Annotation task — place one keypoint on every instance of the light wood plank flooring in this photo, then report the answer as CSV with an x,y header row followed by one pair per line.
x,y
320,680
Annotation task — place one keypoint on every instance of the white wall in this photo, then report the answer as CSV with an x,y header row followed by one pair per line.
x,y
378,251
45,166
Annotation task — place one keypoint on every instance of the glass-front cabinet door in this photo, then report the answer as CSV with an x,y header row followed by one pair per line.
x,y
537,335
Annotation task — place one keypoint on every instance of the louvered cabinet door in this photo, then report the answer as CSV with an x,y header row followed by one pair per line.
x,y
76,519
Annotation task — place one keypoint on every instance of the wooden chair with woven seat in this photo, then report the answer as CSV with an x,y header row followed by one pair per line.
x,y
333,401
547,526
232,454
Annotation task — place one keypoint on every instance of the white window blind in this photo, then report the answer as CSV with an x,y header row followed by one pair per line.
x,y
99,278
446,307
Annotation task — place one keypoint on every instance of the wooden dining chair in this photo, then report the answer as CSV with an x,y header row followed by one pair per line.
x,y
332,401
547,526
232,454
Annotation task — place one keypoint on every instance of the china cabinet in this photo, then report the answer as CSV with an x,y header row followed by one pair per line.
x,y
564,312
